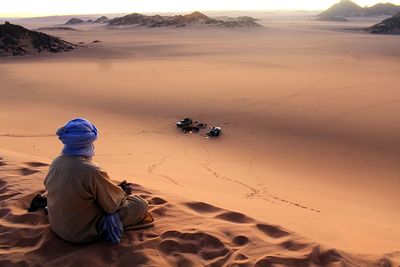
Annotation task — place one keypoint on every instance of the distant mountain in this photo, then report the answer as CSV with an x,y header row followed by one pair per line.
x,y
100,20
193,19
74,21
347,8
244,21
15,40
382,9
136,19
387,26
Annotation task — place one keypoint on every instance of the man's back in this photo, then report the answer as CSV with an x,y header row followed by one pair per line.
x,y
78,193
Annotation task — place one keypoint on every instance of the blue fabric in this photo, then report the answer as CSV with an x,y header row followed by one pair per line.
x,y
78,136
111,227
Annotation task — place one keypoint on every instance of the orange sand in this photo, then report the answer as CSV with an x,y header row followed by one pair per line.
x,y
310,141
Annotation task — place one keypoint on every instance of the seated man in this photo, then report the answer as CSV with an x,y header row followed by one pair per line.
x,y
83,204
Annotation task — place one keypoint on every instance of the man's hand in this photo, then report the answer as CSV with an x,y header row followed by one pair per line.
x,y
127,187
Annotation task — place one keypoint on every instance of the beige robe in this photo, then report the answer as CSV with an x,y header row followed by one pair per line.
x,y
79,191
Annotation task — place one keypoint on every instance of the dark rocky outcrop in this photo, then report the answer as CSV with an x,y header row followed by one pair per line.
x,y
136,19
243,21
347,8
387,26
193,19
101,20
74,21
382,9
56,28
15,40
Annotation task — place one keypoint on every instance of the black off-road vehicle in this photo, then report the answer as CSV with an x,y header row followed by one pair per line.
x,y
214,132
184,122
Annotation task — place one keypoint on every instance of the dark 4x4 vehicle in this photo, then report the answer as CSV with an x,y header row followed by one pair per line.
x,y
184,122
215,131
187,125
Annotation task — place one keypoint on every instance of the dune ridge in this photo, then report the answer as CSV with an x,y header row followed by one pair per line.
x,y
187,233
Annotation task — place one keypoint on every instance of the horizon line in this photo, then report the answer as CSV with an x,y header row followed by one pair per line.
x,y
159,12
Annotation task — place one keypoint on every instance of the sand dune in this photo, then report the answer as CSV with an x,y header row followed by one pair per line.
x,y
187,234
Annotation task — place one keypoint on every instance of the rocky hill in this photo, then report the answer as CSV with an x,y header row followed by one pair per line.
x,y
100,20
193,19
56,28
382,9
74,21
15,40
135,19
387,26
347,8
243,21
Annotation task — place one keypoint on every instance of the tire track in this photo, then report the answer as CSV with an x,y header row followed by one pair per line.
x,y
206,165
265,194
152,167
259,192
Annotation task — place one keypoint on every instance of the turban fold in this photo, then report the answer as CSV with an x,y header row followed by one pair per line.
x,y
78,136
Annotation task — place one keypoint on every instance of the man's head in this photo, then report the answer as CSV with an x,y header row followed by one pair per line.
x,y
78,136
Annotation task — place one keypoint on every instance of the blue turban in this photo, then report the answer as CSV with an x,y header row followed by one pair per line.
x,y
78,136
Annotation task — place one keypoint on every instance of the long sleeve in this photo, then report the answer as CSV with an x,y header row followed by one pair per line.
x,y
107,195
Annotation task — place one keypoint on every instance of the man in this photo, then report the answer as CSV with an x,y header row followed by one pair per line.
x,y
83,204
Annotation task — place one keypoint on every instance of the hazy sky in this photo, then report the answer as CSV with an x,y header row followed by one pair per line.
x,y
27,8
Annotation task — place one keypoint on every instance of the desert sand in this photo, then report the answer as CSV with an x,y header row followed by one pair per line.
x,y
305,173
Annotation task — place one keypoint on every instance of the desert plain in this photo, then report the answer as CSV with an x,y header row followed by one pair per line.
x,y
310,143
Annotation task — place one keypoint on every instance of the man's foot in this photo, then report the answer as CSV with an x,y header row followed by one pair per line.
x,y
147,222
